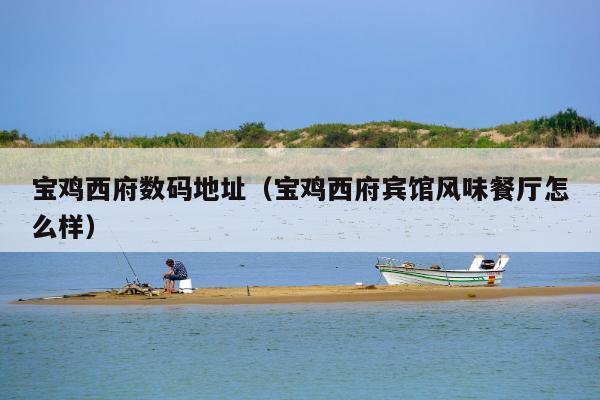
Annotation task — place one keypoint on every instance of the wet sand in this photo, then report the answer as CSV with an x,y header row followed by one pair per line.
x,y
314,294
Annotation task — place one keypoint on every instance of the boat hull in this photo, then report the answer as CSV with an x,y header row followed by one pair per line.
x,y
415,276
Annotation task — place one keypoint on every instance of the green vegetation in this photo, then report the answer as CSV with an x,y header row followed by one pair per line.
x,y
563,129
251,134
564,126
331,135
566,123
12,137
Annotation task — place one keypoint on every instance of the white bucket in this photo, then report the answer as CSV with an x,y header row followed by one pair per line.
x,y
185,286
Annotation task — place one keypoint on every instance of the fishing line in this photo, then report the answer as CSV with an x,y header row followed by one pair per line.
x,y
136,280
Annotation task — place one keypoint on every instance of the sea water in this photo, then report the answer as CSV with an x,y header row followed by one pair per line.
x,y
538,348
28,275
535,348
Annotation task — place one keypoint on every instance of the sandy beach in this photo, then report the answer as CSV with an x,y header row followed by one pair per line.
x,y
312,294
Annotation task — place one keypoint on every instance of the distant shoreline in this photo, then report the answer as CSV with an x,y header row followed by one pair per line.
x,y
312,294
564,129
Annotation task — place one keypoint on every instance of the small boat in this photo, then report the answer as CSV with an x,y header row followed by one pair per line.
x,y
482,272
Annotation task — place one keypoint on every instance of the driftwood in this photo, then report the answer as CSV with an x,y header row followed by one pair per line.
x,y
135,289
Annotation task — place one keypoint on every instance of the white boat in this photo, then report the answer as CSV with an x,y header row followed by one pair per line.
x,y
482,272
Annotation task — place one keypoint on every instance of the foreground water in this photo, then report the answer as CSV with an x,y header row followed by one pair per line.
x,y
543,348
535,348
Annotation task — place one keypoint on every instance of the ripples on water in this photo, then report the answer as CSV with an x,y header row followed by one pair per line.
x,y
539,348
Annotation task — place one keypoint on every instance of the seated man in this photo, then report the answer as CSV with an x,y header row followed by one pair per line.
x,y
176,272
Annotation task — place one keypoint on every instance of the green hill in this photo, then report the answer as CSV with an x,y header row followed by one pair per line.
x,y
563,129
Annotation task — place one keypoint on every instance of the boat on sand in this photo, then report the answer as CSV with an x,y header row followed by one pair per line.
x,y
482,272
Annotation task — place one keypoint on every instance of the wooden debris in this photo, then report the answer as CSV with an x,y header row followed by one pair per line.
x,y
135,289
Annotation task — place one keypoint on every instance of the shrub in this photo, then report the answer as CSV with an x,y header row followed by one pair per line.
x,y
12,136
516,127
337,138
251,132
89,140
291,136
334,135
387,139
566,123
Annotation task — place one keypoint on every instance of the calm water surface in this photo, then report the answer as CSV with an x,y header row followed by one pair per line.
x,y
46,274
544,348
535,348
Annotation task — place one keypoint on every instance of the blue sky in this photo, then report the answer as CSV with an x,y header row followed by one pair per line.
x,y
148,67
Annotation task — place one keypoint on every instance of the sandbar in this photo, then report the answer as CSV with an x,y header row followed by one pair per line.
x,y
312,294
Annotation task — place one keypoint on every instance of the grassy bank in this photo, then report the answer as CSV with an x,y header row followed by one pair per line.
x,y
563,129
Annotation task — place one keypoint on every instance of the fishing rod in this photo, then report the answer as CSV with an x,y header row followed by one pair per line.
x,y
136,280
